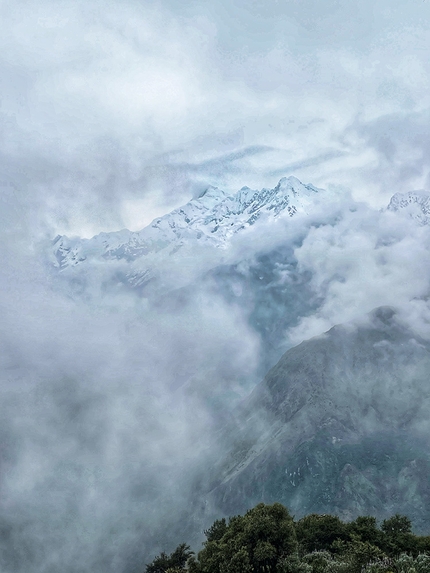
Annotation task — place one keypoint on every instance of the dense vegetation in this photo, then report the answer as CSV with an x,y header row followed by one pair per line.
x,y
268,540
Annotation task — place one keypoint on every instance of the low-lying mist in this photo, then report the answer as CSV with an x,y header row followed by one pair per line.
x,y
100,444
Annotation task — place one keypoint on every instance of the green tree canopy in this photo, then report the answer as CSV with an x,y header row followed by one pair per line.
x,y
216,530
365,528
255,542
396,524
318,532
267,540
176,560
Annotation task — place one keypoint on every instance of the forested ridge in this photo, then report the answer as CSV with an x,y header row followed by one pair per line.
x,y
267,539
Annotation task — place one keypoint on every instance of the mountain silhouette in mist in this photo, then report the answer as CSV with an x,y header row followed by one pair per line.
x,y
340,424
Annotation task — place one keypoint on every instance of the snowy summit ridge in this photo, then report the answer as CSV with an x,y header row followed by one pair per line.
x,y
416,204
211,218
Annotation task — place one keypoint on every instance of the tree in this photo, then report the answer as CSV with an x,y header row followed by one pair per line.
x,y
359,554
365,529
175,561
257,542
398,536
216,530
266,540
396,524
318,532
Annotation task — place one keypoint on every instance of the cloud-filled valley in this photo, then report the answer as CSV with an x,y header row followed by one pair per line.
x,y
114,395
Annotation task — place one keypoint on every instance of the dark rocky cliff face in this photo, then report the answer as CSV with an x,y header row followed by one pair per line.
x,y
340,425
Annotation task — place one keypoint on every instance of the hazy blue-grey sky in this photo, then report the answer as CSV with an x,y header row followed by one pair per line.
x,y
114,112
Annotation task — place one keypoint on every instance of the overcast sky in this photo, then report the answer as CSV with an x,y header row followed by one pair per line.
x,y
113,113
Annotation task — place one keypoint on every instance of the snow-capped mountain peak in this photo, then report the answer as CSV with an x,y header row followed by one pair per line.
x,y
211,218
416,204
212,195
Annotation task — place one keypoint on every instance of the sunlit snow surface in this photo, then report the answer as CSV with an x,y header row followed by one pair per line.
x,y
210,219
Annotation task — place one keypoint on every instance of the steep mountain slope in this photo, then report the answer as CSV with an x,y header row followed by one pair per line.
x,y
340,424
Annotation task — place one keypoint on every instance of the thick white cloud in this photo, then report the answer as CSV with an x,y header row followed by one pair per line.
x,y
368,259
100,445
107,105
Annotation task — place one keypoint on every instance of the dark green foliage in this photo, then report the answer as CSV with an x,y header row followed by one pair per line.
x,y
359,553
396,525
365,529
398,536
216,530
423,544
254,542
267,540
318,532
176,560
